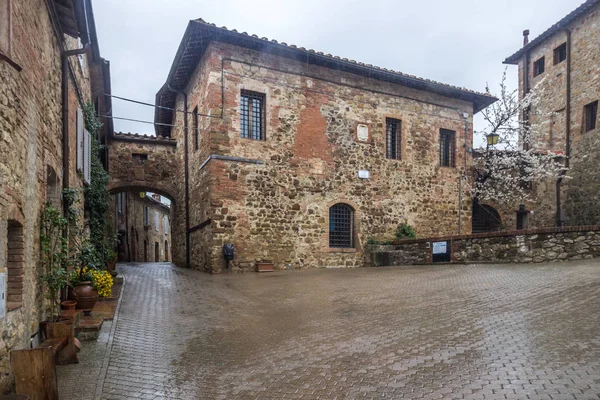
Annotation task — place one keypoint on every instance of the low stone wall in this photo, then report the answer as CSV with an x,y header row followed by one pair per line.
x,y
536,245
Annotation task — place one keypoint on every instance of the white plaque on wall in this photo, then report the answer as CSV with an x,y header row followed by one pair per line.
x,y
362,132
363,174
440,247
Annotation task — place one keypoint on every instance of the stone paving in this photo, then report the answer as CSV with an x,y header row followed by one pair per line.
x,y
432,332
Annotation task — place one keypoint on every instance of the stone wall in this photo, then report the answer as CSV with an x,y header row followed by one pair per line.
x,y
31,166
535,245
579,195
273,205
161,172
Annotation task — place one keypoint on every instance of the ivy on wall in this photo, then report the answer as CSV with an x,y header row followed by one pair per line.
x,y
96,194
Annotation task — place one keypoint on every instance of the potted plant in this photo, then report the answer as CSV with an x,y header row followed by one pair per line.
x,y
84,291
265,266
111,260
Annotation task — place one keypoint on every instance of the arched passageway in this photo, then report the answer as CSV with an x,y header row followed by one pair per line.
x,y
485,218
142,215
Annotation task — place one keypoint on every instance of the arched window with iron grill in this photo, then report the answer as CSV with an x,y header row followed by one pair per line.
x,y
341,226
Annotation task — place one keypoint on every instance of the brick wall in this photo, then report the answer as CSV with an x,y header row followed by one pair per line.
x,y
278,210
31,146
534,245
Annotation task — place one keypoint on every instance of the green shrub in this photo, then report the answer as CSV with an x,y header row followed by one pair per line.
x,y
405,231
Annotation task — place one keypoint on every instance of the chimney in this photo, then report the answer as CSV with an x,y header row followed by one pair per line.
x,y
525,37
156,196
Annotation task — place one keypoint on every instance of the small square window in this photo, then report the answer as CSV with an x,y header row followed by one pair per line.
x,y
538,67
590,114
252,115
560,53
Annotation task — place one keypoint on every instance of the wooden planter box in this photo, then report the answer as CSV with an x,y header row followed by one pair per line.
x,y
265,267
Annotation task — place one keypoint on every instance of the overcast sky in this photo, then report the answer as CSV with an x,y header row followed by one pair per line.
x,y
460,42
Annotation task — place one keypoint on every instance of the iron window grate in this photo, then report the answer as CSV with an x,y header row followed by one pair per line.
x,y
447,147
560,53
252,110
196,129
591,115
539,66
393,132
341,226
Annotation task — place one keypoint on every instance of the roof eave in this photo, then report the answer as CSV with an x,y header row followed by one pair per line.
x,y
479,100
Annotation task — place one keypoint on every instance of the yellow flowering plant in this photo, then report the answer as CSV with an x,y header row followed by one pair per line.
x,y
102,280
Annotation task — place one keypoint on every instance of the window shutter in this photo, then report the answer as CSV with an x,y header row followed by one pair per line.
x,y
87,154
156,220
166,225
80,144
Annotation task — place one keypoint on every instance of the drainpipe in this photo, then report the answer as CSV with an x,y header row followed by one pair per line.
x,y
65,114
186,174
559,220
464,175
525,85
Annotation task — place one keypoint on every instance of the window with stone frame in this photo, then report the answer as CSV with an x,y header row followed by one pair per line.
x,y
539,66
196,132
15,265
146,216
5,27
393,132
252,115
447,147
341,226
590,115
560,53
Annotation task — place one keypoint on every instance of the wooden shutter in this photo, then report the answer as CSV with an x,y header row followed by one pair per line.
x,y
87,156
80,139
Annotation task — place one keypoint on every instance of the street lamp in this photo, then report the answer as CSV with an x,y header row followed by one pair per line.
x,y
492,139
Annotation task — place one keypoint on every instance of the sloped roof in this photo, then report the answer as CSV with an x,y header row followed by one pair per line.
x,y
200,33
562,24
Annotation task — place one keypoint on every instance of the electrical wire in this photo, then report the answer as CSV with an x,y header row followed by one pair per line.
x,y
135,120
161,107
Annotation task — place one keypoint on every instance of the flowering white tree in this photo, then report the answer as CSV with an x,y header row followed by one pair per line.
x,y
504,172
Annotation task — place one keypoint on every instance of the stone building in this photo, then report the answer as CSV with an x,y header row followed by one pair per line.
x,y
299,157
142,226
44,83
563,63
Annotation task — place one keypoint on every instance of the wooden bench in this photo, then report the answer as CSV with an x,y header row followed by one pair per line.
x,y
35,369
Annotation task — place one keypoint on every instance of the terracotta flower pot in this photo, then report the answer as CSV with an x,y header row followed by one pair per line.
x,y
68,304
111,265
86,296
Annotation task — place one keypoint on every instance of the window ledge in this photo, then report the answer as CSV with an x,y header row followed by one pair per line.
x,y
11,306
342,250
10,62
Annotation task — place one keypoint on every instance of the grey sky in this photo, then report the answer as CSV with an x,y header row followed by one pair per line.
x,y
460,42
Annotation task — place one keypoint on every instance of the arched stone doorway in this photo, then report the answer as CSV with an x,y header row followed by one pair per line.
x,y
485,218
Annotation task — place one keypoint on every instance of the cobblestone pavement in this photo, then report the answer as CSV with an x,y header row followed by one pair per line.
x,y
432,332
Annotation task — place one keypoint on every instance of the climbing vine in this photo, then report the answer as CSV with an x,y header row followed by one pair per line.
x,y
54,246
96,193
